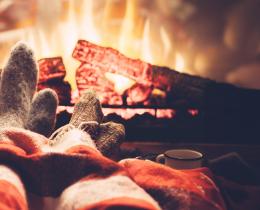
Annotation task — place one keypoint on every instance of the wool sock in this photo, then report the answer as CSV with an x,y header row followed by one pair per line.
x,y
42,115
107,136
110,136
87,109
87,116
18,84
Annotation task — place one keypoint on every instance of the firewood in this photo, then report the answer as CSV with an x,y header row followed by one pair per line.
x,y
88,77
51,68
51,74
110,60
61,87
176,90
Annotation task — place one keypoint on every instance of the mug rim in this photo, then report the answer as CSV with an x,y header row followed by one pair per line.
x,y
201,156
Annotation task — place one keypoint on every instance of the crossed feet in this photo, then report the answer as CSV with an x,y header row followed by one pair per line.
x,y
21,107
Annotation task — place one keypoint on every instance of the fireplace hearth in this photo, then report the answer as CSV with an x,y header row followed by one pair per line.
x,y
188,108
149,63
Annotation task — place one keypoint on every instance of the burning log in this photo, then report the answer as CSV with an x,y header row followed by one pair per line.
x,y
91,78
182,90
51,75
110,60
204,93
51,68
139,93
173,89
225,108
97,61
62,89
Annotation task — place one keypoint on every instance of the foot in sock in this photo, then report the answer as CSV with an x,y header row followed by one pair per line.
x,y
87,109
18,84
42,115
110,137
87,116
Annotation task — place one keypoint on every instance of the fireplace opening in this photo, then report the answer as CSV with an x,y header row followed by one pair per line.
x,y
118,48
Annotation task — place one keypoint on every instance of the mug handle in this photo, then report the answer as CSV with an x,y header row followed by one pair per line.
x,y
160,158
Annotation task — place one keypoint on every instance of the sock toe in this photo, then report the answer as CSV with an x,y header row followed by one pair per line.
x,y
19,78
18,81
22,62
42,115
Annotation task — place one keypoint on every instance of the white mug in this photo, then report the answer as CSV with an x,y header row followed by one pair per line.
x,y
181,158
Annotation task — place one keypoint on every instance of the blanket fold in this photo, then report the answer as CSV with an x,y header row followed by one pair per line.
x,y
80,177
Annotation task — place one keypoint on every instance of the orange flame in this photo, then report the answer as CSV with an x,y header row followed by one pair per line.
x,y
121,83
119,24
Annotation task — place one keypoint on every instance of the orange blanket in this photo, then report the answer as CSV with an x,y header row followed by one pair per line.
x,y
81,178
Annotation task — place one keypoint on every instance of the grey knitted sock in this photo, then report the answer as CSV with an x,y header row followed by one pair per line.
x,y
42,115
107,136
87,109
110,137
87,116
18,84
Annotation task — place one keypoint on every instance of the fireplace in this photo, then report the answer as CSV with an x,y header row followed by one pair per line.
x,y
117,48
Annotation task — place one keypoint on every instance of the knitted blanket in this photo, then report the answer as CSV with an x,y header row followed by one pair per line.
x,y
35,176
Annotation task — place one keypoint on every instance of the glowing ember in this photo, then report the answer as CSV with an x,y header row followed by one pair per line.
x,y
128,113
165,113
51,75
193,112
121,83
51,68
138,94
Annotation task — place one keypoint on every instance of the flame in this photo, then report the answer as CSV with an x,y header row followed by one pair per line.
x,y
179,62
166,43
124,25
127,35
121,83
146,47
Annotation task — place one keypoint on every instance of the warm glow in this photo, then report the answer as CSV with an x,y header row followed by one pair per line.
x,y
123,25
146,48
127,36
128,113
121,83
179,62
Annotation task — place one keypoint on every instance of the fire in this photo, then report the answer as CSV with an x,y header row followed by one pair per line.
x,y
121,83
179,62
123,25
128,113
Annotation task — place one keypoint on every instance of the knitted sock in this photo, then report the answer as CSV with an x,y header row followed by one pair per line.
x,y
87,113
18,84
107,136
111,135
86,116
87,109
42,115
